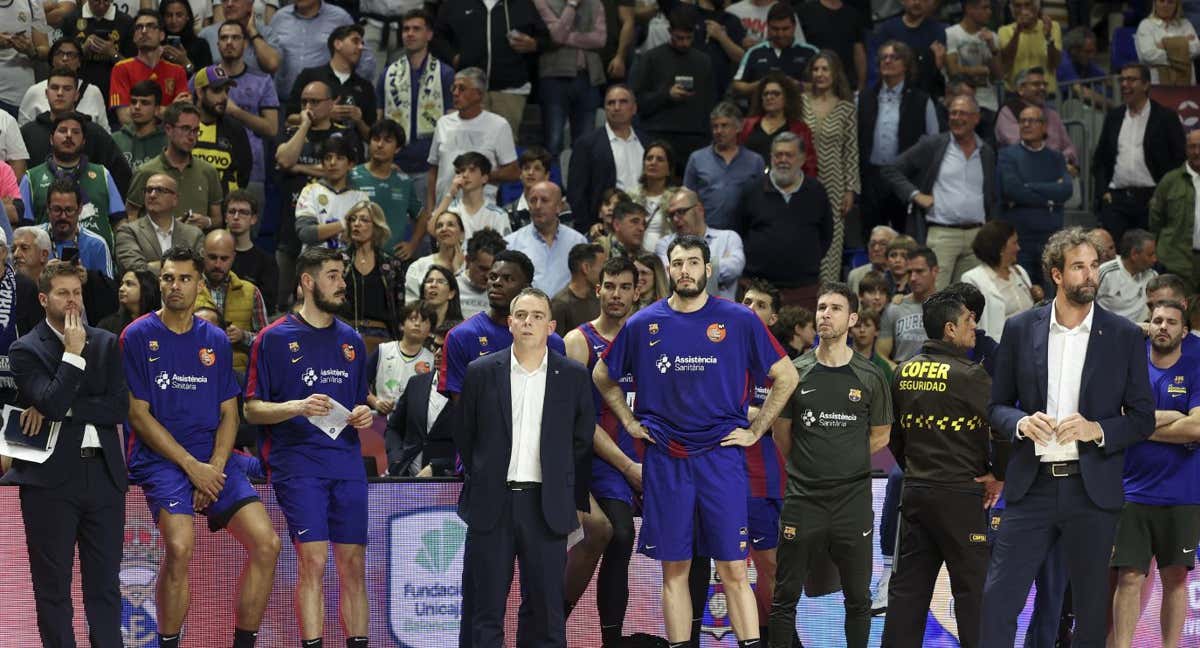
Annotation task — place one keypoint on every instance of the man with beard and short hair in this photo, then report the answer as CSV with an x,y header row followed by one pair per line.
x,y
142,138
199,185
183,416
616,456
143,240
353,95
839,416
222,142
253,102
690,356
64,206
482,248
103,210
1071,391
260,57
250,262
241,306
689,217
147,64
577,303
1159,518
304,367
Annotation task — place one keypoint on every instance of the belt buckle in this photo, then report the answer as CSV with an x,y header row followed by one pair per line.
x,y
1054,470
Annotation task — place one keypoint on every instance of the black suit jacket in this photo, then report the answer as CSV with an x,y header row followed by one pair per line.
x,y
1114,391
97,396
591,171
917,170
1163,145
485,438
408,431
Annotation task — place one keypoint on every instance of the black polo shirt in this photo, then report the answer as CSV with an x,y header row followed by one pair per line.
x,y
763,58
356,91
96,70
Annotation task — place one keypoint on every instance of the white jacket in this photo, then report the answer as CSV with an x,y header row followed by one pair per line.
x,y
992,319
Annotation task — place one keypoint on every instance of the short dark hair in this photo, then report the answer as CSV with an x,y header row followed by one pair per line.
x,y
184,253
65,186
688,242
839,288
485,240
925,253
1133,239
1172,282
682,18
176,110
971,296
1143,70
1171,303
151,298
147,88
56,268
419,13
532,154
240,195
58,44
338,145
61,71
388,127
75,116
790,317
760,285
311,260
232,23
627,207
519,258
530,291
582,253
473,159
342,32
941,307
421,307
781,11
873,281
868,315
614,266
990,241
155,15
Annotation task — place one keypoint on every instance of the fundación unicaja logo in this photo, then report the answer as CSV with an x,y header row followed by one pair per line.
x,y
425,561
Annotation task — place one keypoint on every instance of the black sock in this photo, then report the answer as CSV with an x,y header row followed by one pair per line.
x,y
695,640
244,638
568,608
312,643
610,636
763,633
750,643
169,641
680,644
356,642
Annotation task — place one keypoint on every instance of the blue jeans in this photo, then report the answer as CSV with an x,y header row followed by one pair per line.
x,y
563,97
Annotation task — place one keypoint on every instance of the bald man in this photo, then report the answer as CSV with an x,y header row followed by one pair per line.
x,y
142,240
544,240
238,302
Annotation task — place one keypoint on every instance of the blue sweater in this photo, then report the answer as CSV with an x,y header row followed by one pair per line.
x,y
1030,180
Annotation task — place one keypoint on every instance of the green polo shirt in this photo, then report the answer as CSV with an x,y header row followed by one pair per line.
x,y
199,184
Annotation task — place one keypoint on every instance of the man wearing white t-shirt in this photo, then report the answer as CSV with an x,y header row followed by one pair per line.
x,y
753,14
471,128
1122,285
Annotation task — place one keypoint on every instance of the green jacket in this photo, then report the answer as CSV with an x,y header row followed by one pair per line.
x,y
1172,214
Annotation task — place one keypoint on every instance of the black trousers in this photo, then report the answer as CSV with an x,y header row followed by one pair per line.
x,y
937,525
839,521
1129,209
520,533
87,509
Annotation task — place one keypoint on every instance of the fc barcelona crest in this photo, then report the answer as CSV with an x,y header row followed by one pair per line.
x,y
653,328
154,345
855,395
293,346
207,357
348,352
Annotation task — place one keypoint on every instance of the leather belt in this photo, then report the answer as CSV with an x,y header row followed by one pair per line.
x,y
521,486
90,453
1060,468
959,226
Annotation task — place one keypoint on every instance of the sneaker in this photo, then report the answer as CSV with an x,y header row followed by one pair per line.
x,y
879,604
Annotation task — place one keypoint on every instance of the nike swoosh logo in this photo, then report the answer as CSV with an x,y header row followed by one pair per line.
x,y
1189,550
866,533
154,359
757,540
172,504
649,547
807,391
302,532
652,343
295,360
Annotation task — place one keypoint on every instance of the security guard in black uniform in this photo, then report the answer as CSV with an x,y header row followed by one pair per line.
x,y
941,440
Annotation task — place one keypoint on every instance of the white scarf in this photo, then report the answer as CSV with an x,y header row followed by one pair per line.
x,y
430,101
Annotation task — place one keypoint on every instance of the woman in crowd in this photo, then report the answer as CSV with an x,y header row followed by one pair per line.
x,y
829,107
1006,287
373,285
776,107
1166,41
137,296
608,201
651,280
439,290
181,46
448,233
655,187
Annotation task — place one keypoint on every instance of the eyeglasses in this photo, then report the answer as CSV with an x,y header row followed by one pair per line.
x,y
67,54
150,191
145,27
186,130
675,213
56,210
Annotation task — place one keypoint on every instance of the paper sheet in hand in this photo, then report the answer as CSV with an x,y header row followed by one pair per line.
x,y
334,422
15,444
1053,447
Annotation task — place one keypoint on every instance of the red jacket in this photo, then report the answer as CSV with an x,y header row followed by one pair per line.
x,y
799,128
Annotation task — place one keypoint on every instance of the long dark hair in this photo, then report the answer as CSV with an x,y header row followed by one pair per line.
x,y
188,34
454,307
150,299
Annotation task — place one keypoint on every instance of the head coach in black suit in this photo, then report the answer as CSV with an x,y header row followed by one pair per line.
x,y
525,438
1071,390
70,372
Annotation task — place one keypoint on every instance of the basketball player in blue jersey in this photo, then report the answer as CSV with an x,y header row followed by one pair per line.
x,y
1161,517
183,417
616,459
307,385
694,360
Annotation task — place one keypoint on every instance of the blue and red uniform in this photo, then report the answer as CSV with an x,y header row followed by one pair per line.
x,y
476,337
184,377
1167,474
764,472
607,481
695,374
318,480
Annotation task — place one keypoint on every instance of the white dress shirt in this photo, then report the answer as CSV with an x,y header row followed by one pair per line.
x,y
627,157
528,393
91,438
164,237
1066,350
1131,170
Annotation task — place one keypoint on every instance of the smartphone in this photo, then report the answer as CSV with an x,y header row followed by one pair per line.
x,y
69,254
686,82
175,41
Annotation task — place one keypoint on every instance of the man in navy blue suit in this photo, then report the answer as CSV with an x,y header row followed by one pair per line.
x,y
1071,390
525,441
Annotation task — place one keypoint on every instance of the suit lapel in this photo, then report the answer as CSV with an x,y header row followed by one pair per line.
x,y
551,394
504,389
1041,338
1094,347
